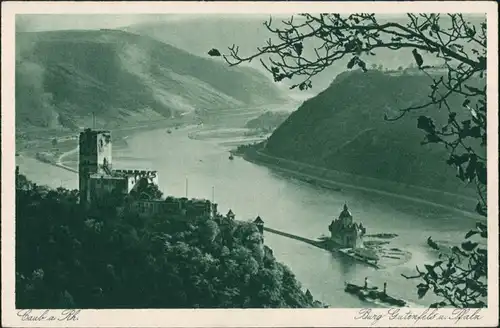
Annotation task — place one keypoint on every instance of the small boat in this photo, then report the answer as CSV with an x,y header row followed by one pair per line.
x,y
372,293
169,131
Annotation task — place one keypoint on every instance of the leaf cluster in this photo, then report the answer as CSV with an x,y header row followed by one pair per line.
x,y
459,277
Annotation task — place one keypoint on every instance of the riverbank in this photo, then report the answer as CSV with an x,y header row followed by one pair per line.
x,y
61,150
336,180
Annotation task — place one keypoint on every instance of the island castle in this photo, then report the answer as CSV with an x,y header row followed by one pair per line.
x,y
98,179
345,232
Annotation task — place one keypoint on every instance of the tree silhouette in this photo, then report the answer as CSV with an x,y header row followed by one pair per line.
x,y
69,258
307,44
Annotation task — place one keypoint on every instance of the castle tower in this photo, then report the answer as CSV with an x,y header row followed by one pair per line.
x,y
345,216
260,224
94,157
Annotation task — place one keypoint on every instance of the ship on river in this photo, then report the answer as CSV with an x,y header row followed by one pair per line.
x,y
366,293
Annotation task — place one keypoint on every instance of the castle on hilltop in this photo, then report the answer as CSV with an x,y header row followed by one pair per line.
x,y
98,180
345,232
95,169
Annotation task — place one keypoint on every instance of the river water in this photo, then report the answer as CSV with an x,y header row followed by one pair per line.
x,y
285,204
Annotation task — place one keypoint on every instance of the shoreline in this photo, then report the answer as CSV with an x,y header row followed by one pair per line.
x,y
304,172
309,174
44,153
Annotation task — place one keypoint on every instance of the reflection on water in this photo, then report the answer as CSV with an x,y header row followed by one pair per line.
x,y
286,204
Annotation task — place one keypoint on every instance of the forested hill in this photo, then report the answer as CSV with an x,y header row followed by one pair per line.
x,y
67,258
343,128
64,76
249,33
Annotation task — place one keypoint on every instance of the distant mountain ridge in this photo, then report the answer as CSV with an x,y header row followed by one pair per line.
x,y
64,76
343,128
249,33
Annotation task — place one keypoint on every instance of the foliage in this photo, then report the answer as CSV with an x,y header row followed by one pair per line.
x,y
458,43
460,277
148,190
68,258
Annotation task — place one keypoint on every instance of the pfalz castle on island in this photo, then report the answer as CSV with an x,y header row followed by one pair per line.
x,y
98,180
345,232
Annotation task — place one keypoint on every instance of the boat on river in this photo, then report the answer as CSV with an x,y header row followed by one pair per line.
x,y
367,293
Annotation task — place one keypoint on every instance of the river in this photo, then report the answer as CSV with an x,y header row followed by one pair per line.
x,y
285,204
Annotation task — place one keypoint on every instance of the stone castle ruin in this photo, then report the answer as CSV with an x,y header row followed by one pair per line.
x,y
96,175
98,180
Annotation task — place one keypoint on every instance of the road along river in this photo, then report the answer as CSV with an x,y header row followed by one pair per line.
x,y
285,204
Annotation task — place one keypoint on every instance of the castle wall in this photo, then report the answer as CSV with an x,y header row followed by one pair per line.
x,y
97,179
101,186
347,221
104,151
87,163
156,207
134,176
94,157
190,209
348,236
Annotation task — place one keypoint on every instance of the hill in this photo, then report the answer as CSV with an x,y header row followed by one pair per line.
x,y
248,32
343,128
64,76
122,260
268,121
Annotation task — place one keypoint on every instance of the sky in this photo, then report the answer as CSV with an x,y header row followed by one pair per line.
x,y
47,22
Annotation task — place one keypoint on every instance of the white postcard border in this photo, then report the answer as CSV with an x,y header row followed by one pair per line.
x,y
236,317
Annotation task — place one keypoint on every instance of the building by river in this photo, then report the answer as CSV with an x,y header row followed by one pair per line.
x,y
345,232
98,181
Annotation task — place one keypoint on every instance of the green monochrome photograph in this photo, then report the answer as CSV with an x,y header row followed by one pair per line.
x,y
337,158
